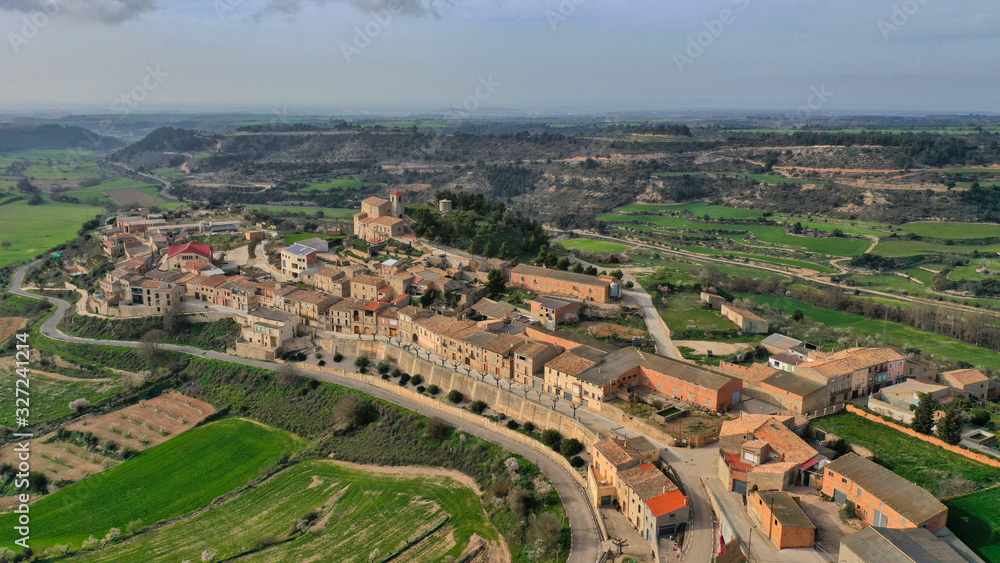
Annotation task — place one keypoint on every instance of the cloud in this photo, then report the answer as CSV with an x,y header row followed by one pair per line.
x,y
99,11
416,8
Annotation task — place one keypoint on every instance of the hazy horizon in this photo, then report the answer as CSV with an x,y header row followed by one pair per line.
x,y
488,57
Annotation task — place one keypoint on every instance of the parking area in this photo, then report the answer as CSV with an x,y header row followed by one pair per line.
x,y
825,515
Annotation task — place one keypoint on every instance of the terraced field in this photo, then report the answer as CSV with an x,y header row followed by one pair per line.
x,y
953,230
359,516
173,479
594,245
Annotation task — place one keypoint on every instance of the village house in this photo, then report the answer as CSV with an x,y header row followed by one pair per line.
x,y
746,320
847,374
713,300
115,245
334,281
128,294
264,333
565,284
624,472
243,295
780,515
784,389
530,360
971,381
134,225
762,452
882,498
380,219
180,255
498,354
898,400
309,306
370,288
296,259
344,315
551,311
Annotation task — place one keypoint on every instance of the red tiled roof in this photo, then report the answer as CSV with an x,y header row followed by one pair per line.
x,y
665,504
373,306
192,247
397,192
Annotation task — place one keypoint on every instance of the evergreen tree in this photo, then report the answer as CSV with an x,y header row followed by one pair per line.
x,y
923,416
578,268
563,264
495,283
950,427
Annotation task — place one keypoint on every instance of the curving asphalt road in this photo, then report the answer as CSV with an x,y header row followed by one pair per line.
x,y
586,538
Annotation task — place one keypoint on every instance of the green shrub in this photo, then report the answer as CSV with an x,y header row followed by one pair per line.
x,y
552,439
455,396
417,379
396,372
338,357
979,417
362,362
433,389
512,424
570,447
529,427
577,461
404,379
383,367
421,389
478,407
437,429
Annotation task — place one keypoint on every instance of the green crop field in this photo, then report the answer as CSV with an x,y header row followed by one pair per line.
x,y
310,211
427,518
975,519
175,478
50,397
897,248
761,258
338,184
939,471
292,239
834,246
944,230
900,335
34,229
594,245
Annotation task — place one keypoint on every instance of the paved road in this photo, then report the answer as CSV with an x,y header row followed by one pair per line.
x,y
585,537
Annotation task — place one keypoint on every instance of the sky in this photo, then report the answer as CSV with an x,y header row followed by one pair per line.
x,y
463,57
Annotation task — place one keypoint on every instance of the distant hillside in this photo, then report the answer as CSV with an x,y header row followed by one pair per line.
x,y
168,139
53,137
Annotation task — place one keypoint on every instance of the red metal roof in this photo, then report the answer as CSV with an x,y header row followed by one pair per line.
x,y
192,247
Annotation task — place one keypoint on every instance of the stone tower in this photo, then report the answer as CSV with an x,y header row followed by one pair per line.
x,y
398,208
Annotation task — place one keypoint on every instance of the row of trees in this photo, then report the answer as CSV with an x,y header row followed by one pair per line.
x,y
949,429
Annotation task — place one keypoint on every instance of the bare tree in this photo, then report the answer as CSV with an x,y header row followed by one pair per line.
x,y
174,321
620,544
574,406
287,375
555,401
149,345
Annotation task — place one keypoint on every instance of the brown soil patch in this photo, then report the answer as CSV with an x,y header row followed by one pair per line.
x,y
8,363
482,551
149,423
132,196
10,325
603,330
415,470
59,461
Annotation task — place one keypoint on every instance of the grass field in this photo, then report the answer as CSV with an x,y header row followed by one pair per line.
x,y
84,194
975,519
175,478
941,472
928,343
337,184
310,211
833,246
34,229
953,230
380,514
594,245
761,258
896,248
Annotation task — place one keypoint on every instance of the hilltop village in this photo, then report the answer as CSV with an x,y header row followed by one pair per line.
x,y
385,284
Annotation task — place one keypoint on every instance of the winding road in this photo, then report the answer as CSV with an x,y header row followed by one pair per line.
x,y
586,537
